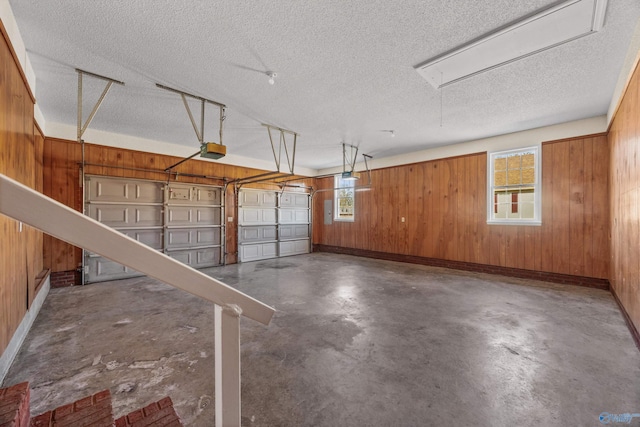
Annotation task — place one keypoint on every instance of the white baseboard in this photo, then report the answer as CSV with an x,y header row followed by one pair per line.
x,y
23,329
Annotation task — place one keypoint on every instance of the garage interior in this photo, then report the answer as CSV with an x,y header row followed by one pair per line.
x,y
444,285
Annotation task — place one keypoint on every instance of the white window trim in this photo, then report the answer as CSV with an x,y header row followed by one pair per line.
x,y
537,201
336,205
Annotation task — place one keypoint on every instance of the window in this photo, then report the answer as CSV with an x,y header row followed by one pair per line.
x,y
344,199
514,187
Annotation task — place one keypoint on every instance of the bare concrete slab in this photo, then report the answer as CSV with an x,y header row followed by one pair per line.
x,y
355,342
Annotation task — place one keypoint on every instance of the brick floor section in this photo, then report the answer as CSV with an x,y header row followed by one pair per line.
x,y
157,414
14,406
94,411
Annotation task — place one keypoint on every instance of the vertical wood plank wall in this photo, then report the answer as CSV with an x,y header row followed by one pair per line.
x,y
62,159
20,252
444,206
624,140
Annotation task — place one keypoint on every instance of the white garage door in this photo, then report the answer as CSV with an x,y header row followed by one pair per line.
x,y
181,220
272,224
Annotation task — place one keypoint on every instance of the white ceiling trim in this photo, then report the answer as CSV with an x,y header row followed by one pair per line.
x,y
497,143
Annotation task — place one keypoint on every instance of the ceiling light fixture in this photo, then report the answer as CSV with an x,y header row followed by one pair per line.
x,y
272,77
391,132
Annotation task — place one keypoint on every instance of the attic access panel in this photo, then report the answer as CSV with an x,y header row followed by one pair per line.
x,y
544,30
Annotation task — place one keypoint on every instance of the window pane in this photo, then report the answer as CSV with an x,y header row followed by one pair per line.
x,y
344,199
528,160
528,176
500,178
513,186
513,162
514,177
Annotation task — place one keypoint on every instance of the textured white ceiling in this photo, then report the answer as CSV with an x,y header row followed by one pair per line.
x,y
345,70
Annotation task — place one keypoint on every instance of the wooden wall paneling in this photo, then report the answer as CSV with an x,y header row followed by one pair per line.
x,y
47,179
363,216
18,250
318,212
425,239
598,257
461,237
114,157
435,210
440,182
576,207
387,198
447,184
415,215
404,195
588,197
521,242
483,241
470,221
444,203
231,233
510,242
546,250
386,211
528,241
560,209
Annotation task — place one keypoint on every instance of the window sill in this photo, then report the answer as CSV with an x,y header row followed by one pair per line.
x,y
534,223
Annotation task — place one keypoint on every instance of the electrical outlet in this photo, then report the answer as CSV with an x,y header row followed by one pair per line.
x,y
230,219
402,219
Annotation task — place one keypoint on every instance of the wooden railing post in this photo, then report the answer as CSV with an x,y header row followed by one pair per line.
x,y
227,361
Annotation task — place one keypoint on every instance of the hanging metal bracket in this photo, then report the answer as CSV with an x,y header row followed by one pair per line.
x,y
82,127
282,142
199,131
349,158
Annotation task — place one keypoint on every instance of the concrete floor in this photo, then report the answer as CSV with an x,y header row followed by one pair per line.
x,y
355,342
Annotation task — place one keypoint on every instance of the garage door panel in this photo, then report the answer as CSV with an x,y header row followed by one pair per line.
x,y
189,237
105,189
194,195
294,200
257,233
258,251
198,258
190,215
250,216
294,231
293,216
294,247
101,269
152,238
117,216
209,196
258,198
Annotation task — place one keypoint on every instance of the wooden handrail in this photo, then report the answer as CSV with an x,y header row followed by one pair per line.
x,y
27,205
